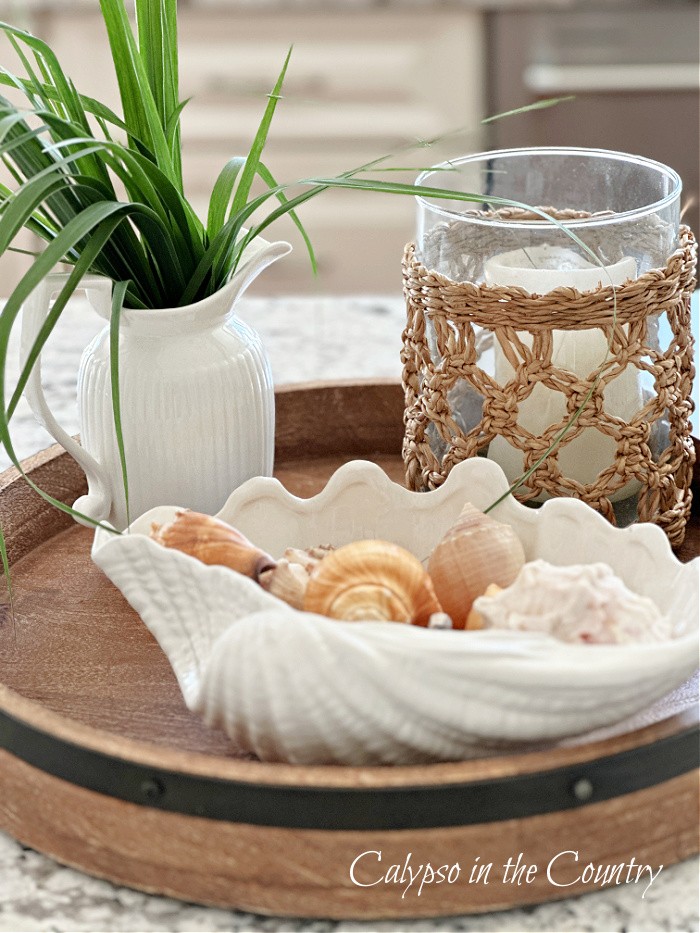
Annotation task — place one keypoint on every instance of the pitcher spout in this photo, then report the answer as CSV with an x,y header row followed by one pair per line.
x,y
257,256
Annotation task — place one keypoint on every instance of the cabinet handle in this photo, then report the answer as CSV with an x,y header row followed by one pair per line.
x,y
551,79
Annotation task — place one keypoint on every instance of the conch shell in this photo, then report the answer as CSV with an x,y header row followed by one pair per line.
x,y
476,552
372,580
213,542
578,603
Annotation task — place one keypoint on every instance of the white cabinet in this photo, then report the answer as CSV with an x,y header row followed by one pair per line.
x,y
359,85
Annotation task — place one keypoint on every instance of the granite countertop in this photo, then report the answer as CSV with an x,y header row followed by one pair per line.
x,y
309,338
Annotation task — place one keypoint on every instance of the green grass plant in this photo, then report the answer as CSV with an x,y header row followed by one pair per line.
x,y
105,191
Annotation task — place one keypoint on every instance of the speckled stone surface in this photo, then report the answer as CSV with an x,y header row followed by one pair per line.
x,y
306,339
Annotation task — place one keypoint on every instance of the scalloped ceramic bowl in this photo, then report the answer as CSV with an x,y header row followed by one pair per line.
x,y
296,687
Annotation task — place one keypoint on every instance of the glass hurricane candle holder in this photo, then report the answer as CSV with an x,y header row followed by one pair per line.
x,y
564,294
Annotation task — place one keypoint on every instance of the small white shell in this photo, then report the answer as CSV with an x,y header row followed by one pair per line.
x,y
580,603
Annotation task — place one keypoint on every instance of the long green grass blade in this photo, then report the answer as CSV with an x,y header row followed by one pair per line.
x,y
8,583
17,211
537,105
83,224
18,142
73,233
427,191
156,22
221,194
118,294
33,80
144,181
96,242
6,572
172,127
56,503
169,257
11,120
66,96
30,161
152,52
140,110
252,161
269,180
87,103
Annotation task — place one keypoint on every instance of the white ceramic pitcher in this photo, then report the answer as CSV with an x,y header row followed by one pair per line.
x,y
196,392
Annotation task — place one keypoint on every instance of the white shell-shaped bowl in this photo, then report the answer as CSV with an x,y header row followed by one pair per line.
x,y
296,687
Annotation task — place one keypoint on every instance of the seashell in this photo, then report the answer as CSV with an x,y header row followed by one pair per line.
x,y
307,557
579,603
475,620
369,580
291,686
213,542
475,552
287,581
440,620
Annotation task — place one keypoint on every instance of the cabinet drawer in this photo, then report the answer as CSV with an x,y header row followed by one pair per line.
x,y
336,57
350,74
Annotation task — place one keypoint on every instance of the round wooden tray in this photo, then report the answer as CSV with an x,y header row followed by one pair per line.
x,y
103,768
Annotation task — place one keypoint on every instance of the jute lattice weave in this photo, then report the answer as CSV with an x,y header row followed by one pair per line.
x,y
446,323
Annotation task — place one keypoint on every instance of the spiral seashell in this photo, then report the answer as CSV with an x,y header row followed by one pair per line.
x,y
476,552
213,542
297,687
372,580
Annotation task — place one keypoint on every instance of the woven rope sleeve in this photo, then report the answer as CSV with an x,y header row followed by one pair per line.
x,y
445,324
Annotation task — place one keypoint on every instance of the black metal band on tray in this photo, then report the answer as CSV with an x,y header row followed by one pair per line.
x,y
332,808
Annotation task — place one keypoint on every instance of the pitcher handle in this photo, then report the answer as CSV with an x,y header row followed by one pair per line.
x,y
97,503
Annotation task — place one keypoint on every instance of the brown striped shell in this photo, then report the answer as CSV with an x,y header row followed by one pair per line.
x,y
476,552
371,580
213,542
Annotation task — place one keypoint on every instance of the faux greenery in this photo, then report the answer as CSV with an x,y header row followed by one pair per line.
x,y
105,192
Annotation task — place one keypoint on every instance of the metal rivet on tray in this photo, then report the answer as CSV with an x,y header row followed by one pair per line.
x,y
582,789
152,788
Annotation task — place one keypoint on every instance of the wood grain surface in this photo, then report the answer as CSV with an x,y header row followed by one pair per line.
x,y
79,664
307,872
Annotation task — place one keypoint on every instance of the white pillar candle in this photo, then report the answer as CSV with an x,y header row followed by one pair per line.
x,y
539,269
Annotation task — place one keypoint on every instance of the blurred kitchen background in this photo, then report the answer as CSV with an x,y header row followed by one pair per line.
x,y
370,76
